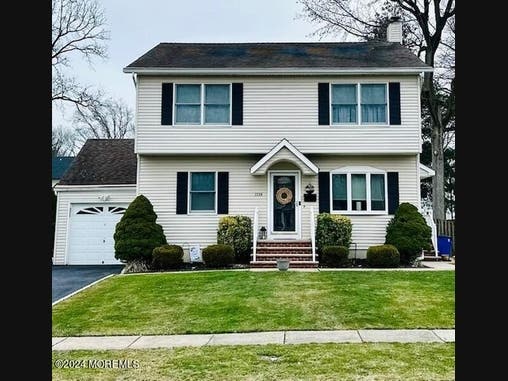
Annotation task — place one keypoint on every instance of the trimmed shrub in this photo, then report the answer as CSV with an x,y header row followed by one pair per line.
x,y
408,232
335,256
137,233
383,256
236,231
333,230
218,255
167,257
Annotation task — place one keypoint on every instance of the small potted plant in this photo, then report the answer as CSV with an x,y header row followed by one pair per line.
x,y
283,264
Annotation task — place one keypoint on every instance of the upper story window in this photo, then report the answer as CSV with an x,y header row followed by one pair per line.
x,y
344,101
374,105
359,191
202,104
364,103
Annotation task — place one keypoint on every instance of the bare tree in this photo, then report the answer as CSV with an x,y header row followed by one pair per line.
x,y
63,142
78,28
429,29
107,119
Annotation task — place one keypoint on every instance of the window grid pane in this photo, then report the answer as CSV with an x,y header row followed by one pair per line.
x,y
188,104
377,192
373,103
203,181
359,192
339,192
203,201
217,104
344,104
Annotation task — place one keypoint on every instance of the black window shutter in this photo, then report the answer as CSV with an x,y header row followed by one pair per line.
x,y
223,192
393,192
237,104
324,192
181,192
394,95
324,103
167,104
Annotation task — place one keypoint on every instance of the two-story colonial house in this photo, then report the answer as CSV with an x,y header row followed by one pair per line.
x,y
279,132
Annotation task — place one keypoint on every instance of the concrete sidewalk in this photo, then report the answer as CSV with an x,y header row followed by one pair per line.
x,y
256,338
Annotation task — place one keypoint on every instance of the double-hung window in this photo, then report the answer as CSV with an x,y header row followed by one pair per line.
x,y
364,103
203,104
358,191
344,104
202,191
374,105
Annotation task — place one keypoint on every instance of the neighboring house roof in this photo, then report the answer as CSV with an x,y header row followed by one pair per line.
x,y
103,162
282,55
59,165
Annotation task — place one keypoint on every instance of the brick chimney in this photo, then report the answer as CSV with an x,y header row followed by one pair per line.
x,y
394,30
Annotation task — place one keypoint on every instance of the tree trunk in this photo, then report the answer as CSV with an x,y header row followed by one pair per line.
x,y
438,196
428,94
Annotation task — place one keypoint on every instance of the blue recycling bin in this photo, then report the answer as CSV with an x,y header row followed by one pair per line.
x,y
444,245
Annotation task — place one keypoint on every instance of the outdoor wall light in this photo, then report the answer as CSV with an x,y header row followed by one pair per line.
x,y
262,233
309,189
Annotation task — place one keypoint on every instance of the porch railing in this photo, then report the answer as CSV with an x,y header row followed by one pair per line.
x,y
429,218
313,233
255,234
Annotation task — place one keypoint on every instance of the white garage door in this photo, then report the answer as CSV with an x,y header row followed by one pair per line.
x,y
91,234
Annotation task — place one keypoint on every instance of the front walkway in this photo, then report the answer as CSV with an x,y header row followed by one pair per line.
x,y
256,338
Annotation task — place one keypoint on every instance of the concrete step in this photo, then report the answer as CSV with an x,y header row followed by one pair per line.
x,y
292,264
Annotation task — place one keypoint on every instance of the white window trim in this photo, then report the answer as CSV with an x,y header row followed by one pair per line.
x,y
202,105
367,171
359,122
189,178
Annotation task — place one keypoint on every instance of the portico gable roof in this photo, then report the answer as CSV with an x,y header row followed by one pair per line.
x,y
284,151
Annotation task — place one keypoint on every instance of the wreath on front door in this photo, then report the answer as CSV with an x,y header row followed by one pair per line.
x,y
284,196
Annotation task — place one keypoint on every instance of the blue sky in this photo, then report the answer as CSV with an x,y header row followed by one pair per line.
x,y
137,26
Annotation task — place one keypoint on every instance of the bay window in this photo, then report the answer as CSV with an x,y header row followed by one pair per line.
x,y
358,191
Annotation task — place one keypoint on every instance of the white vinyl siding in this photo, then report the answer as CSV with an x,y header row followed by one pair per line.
x,y
67,198
274,108
157,181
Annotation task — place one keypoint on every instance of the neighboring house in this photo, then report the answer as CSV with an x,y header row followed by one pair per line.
x,y
59,165
252,128
92,195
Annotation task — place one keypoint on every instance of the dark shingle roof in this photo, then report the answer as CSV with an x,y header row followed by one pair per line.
x,y
59,164
378,54
103,162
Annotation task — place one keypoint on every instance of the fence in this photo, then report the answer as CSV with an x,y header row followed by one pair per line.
x,y
447,227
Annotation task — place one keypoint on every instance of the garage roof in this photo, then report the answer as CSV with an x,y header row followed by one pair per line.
x,y
103,162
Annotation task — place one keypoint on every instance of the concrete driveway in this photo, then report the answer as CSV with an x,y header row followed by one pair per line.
x,y
67,279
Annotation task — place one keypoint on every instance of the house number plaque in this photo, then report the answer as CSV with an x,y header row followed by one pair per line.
x,y
258,194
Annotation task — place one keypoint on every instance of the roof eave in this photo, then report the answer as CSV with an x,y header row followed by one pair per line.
x,y
276,71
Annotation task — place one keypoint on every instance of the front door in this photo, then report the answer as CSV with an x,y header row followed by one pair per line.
x,y
284,205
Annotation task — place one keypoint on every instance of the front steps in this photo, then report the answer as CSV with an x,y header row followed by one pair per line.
x,y
299,253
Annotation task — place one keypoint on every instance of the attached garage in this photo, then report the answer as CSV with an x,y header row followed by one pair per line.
x,y
92,196
91,230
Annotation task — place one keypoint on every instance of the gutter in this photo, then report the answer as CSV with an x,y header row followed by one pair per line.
x,y
275,71
92,187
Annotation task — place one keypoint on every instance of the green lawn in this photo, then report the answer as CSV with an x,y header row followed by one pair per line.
x,y
380,362
242,301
